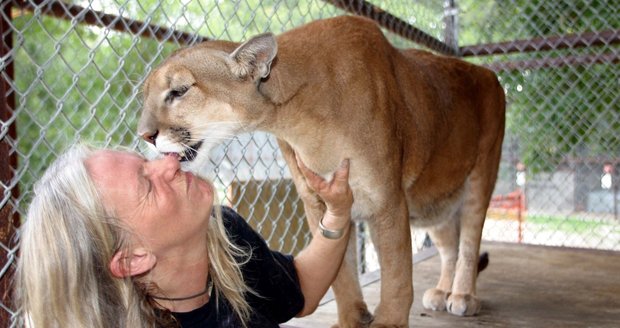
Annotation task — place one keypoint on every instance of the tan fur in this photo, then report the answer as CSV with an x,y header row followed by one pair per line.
x,y
423,132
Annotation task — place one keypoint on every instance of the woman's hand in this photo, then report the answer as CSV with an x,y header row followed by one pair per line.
x,y
336,193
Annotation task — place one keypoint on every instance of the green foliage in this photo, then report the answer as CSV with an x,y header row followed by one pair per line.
x,y
572,224
78,83
484,21
556,112
560,112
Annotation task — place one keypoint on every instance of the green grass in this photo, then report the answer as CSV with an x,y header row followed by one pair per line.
x,y
569,223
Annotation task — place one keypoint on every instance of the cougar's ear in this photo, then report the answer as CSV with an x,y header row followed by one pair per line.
x,y
253,58
131,263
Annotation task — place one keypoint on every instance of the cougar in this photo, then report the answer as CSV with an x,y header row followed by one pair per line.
x,y
423,133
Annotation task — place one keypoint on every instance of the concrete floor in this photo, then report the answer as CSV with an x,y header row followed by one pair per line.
x,y
523,286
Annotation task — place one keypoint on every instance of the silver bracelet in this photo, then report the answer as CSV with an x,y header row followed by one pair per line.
x,y
330,234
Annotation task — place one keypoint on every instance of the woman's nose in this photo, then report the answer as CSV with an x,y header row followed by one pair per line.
x,y
166,167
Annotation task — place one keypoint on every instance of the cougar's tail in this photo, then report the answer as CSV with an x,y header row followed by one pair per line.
x,y
483,261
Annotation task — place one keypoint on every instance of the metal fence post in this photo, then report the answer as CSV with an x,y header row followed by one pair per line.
x,y
9,220
450,18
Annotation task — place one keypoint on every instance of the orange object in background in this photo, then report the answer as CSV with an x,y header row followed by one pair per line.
x,y
510,206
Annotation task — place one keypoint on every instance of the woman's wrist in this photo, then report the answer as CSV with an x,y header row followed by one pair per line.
x,y
334,226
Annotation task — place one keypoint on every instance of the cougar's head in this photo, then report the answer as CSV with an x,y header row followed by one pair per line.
x,y
203,95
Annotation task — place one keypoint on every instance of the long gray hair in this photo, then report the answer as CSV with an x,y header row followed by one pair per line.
x,y
67,241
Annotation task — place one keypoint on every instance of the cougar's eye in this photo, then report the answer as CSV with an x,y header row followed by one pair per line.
x,y
176,93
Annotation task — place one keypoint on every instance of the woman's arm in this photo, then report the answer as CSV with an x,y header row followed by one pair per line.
x,y
318,264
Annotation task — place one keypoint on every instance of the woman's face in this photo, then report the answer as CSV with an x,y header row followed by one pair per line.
x,y
167,208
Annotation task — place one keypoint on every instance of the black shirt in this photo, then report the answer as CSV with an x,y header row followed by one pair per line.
x,y
271,274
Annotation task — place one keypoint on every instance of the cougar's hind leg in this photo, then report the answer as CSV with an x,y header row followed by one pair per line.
x,y
391,236
463,301
445,238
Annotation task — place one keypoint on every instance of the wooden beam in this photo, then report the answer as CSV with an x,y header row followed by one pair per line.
x,y
555,62
568,41
88,16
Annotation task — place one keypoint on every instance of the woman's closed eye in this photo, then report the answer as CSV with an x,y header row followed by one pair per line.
x,y
149,186
146,183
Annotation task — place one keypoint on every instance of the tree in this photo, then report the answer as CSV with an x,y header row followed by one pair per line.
x,y
554,112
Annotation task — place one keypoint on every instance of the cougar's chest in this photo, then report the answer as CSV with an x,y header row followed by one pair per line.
x,y
363,206
366,200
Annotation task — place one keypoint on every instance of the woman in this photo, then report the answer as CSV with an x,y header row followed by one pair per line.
x,y
114,240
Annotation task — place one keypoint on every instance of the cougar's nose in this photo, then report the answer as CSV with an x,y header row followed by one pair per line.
x,y
150,137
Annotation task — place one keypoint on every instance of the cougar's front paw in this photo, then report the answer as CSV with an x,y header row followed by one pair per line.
x,y
379,325
358,318
463,305
435,299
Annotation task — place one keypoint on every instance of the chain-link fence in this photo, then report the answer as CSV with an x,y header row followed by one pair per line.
x,y
558,63
72,70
